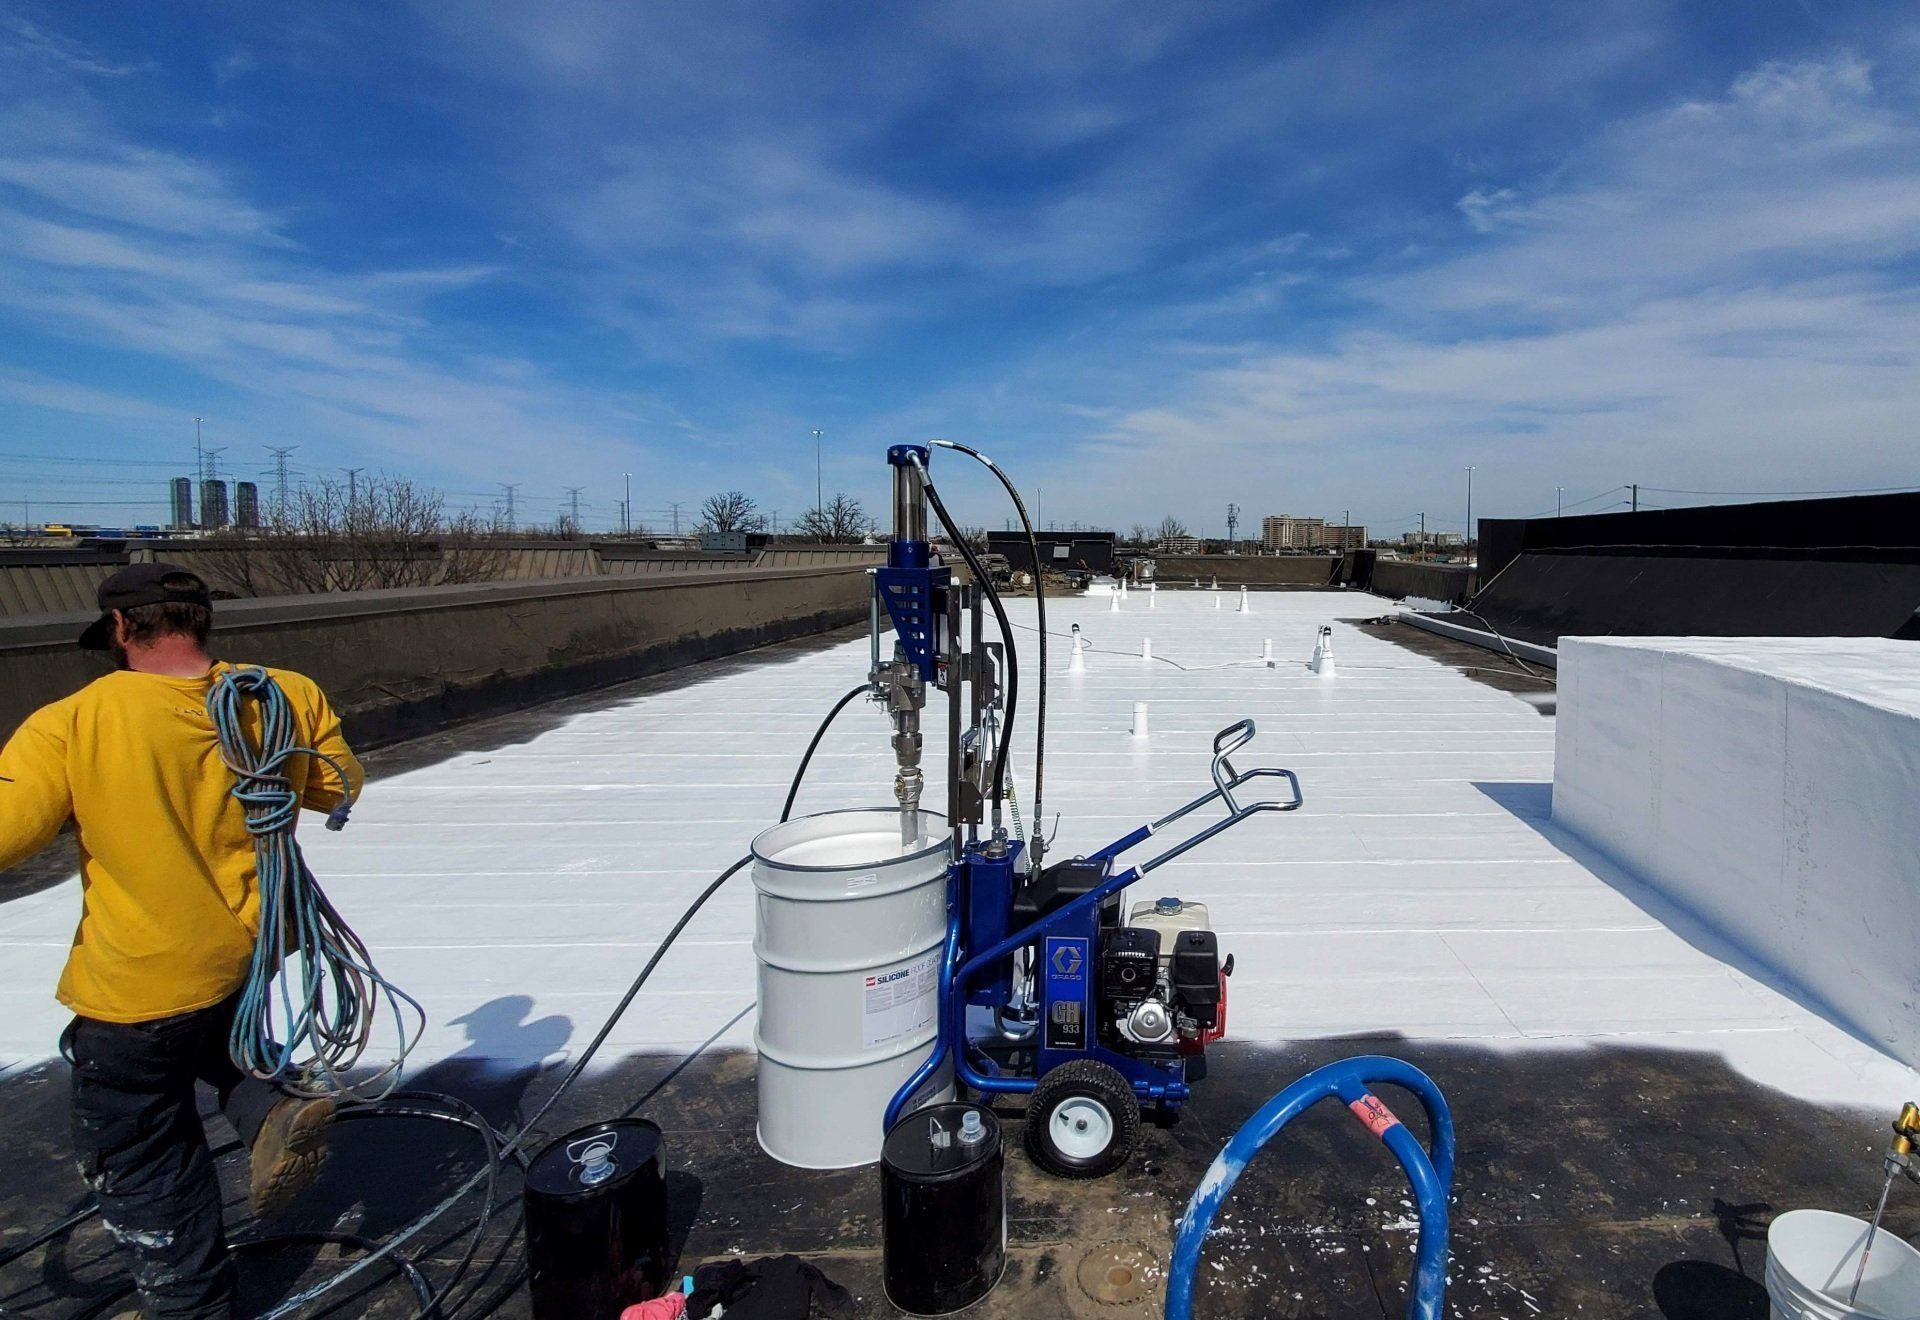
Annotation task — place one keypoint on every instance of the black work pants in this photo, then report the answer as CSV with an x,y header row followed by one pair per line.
x,y
140,1146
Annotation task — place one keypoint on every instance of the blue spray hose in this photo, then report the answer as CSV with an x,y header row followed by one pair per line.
x,y
303,1037
1349,1081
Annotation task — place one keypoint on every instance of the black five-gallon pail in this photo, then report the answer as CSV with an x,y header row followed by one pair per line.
x,y
943,1209
597,1238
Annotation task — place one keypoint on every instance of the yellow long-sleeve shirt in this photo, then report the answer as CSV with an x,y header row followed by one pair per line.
x,y
170,896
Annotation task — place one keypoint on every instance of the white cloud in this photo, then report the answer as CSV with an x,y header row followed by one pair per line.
x,y
1720,288
57,52
1482,207
124,249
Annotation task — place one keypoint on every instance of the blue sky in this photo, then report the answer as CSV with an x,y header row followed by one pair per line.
x,y
1155,258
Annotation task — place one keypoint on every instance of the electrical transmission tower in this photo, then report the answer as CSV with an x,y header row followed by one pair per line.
x,y
280,478
1233,521
573,506
509,488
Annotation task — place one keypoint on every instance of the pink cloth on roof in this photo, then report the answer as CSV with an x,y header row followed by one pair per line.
x,y
670,1307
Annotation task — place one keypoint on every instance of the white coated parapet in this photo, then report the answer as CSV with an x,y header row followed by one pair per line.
x,y
1770,786
848,930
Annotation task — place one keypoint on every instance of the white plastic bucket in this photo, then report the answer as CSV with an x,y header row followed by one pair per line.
x,y
848,931
1812,1256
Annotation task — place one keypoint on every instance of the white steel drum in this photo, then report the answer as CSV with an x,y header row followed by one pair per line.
x,y
849,927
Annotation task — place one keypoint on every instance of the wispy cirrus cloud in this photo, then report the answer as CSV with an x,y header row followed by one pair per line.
x,y
140,251
1720,287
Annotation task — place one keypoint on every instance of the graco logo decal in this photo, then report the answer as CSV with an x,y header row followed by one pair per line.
x,y
1066,960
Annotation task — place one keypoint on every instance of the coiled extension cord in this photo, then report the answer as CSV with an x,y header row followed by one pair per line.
x,y
305,1036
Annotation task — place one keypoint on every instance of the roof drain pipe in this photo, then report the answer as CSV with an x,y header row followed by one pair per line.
x,y
1350,1080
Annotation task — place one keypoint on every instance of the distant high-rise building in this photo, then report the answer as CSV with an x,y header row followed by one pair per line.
x,y
246,504
180,491
213,506
1283,531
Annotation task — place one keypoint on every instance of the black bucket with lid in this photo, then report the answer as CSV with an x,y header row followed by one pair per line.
x,y
597,1239
943,1211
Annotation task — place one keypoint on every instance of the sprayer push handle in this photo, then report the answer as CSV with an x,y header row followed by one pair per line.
x,y
1225,743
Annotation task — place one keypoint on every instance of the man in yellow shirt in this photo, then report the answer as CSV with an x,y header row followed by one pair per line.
x,y
169,916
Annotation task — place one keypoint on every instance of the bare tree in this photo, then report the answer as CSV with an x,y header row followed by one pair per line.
x,y
391,532
1171,527
16,534
841,521
1139,534
729,511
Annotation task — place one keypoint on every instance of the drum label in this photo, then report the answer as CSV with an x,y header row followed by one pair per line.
x,y
900,1002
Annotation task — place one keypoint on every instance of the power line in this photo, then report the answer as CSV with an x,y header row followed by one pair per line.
x,y
101,504
92,462
1589,500
1866,490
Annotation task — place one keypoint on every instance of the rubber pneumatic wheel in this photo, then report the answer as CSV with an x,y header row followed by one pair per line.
x,y
1083,1120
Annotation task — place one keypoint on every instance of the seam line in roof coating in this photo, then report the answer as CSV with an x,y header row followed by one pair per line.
x,y
1500,1008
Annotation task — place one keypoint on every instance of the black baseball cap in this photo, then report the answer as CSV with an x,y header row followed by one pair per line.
x,y
142,584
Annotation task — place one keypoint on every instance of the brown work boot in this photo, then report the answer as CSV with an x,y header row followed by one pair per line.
x,y
289,1152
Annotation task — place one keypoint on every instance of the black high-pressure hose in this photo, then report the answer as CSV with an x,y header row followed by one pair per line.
x,y
392,1244
1040,607
818,734
512,1148
1000,616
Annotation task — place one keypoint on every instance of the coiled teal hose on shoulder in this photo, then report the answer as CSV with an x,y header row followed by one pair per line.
x,y
312,997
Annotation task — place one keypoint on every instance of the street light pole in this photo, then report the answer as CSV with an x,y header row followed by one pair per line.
x,y
819,487
626,507
1470,508
1556,500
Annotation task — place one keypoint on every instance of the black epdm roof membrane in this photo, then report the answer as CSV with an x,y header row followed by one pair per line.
x,y
1596,1182
1591,1183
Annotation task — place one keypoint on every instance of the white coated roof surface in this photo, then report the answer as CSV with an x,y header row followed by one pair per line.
x,y
516,889
1878,671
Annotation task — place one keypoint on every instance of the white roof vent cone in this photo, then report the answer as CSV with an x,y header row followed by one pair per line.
x,y
1243,601
1077,662
1153,595
1266,650
1216,584
1216,602
1146,648
1114,608
1139,719
1323,653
